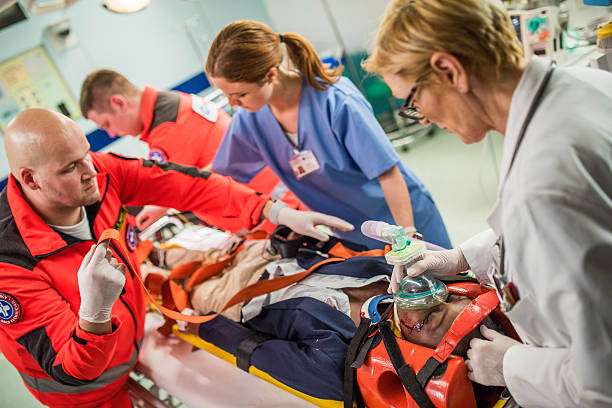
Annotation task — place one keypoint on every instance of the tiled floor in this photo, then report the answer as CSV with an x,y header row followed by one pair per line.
x,y
461,178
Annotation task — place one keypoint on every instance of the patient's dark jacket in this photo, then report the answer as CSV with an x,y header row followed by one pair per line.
x,y
302,341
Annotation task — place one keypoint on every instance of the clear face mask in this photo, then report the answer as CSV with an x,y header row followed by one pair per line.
x,y
416,295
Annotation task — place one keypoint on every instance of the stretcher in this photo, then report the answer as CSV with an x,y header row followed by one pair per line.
x,y
201,378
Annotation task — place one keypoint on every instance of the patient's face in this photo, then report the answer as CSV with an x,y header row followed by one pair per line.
x,y
427,327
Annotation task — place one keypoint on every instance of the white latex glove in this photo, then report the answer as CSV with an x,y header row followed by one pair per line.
x,y
303,222
148,215
485,361
438,264
101,279
182,325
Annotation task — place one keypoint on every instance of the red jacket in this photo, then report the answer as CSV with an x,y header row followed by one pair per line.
x,y
185,129
181,128
62,365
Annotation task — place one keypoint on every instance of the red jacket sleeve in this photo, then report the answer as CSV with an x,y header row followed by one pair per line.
x,y
185,188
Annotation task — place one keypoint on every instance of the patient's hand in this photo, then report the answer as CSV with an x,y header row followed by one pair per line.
x,y
186,327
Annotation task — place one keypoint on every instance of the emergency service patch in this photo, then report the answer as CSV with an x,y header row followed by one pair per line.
x,y
207,110
130,237
10,309
158,155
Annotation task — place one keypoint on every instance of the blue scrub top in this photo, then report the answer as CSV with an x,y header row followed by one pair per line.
x,y
337,124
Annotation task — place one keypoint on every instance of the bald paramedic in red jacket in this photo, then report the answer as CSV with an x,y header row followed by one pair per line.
x,y
71,316
178,127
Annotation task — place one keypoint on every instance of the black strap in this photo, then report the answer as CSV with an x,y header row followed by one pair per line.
x,y
296,147
427,371
404,371
532,109
280,245
363,352
246,347
350,388
387,313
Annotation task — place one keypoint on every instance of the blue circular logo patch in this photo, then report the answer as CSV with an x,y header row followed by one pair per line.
x,y
130,237
10,309
158,155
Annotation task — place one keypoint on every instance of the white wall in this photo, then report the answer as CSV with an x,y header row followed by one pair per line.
x,y
357,21
151,47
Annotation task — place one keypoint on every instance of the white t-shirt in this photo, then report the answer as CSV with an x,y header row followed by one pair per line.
x,y
79,230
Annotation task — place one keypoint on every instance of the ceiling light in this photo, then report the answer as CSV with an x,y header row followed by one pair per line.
x,y
126,6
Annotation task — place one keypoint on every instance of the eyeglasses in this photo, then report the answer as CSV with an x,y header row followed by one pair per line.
x,y
408,110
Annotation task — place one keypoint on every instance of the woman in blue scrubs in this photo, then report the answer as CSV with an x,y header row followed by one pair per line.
x,y
316,131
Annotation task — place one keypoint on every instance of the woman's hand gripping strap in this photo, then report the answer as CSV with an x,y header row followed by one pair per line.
x,y
465,322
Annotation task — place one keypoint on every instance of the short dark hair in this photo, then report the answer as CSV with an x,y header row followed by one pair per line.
x,y
99,86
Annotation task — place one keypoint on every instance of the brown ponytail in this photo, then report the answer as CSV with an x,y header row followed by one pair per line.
x,y
244,51
306,60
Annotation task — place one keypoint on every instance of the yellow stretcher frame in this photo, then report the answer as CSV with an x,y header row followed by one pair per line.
x,y
230,358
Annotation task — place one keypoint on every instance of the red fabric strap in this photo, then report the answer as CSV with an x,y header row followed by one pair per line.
x,y
465,322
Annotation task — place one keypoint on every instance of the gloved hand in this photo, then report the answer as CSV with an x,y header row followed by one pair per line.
x,y
101,279
182,325
485,361
303,222
439,264
148,215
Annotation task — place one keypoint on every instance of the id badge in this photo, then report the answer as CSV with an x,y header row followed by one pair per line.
x,y
304,163
506,291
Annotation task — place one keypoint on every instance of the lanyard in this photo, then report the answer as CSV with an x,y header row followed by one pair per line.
x,y
296,146
534,106
506,290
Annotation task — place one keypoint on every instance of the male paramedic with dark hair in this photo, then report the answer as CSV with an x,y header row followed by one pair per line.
x,y
178,127
72,316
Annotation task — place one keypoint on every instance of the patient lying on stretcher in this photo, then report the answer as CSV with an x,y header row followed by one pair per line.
x,y
343,293
310,323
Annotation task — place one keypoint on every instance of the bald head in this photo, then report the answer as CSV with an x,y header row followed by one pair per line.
x,y
33,135
49,157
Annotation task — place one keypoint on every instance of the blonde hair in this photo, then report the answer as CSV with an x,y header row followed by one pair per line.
x,y
477,32
98,87
244,51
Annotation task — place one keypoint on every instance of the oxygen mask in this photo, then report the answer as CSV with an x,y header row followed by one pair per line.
x,y
415,299
403,250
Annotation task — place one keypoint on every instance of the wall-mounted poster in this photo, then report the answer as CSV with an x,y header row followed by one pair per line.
x,y
31,80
